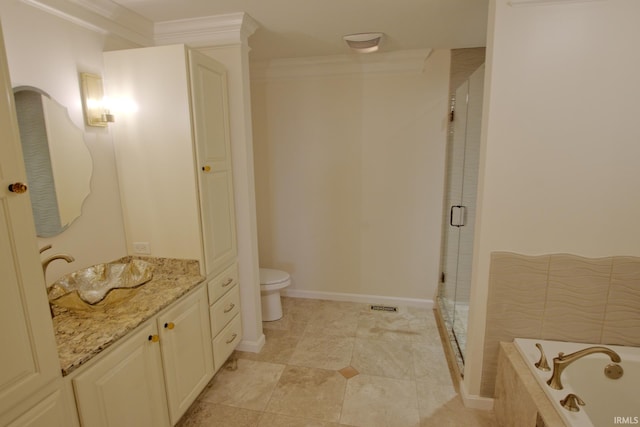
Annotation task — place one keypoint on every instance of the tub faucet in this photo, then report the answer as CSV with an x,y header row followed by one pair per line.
x,y
563,360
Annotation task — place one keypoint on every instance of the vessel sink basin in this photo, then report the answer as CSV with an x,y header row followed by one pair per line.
x,y
101,285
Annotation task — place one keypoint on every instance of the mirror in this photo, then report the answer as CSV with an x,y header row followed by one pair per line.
x,y
57,161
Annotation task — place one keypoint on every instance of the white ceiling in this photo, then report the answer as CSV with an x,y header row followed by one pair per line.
x,y
298,28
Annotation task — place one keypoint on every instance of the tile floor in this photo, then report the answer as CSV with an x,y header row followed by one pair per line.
x,y
329,364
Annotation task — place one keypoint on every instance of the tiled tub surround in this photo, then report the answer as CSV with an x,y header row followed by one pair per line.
x,y
81,335
519,399
560,297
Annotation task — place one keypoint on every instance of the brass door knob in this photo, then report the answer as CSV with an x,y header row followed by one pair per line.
x,y
154,338
169,325
18,187
206,168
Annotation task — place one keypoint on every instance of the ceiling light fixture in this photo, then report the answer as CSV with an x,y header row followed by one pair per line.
x,y
364,42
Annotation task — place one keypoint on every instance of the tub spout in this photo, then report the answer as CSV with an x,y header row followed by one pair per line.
x,y
561,362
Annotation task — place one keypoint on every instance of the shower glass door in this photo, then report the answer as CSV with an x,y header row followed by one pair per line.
x,y
463,152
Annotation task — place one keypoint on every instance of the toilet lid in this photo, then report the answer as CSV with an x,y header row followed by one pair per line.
x,y
271,277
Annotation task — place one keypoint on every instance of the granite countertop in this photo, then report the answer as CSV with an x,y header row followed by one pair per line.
x,y
81,335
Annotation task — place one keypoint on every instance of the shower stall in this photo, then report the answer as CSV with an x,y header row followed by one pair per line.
x,y
463,153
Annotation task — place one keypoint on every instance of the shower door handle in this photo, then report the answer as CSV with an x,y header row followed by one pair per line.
x,y
460,214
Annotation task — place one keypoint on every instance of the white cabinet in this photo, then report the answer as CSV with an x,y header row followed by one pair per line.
x,y
186,351
173,153
226,324
49,412
30,377
125,388
152,377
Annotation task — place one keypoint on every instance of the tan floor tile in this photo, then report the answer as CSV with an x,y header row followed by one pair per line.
x,y
250,386
205,414
371,401
275,420
278,347
384,326
429,363
334,322
308,392
383,358
289,322
323,351
402,382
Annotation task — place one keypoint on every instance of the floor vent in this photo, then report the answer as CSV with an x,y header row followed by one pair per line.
x,y
383,308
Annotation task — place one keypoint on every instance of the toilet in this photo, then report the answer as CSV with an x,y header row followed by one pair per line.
x,y
271,282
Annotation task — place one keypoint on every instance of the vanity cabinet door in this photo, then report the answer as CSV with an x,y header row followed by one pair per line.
x,y
28,355
186,351
125,388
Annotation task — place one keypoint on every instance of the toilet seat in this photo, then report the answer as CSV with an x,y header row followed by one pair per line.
x,y
274,279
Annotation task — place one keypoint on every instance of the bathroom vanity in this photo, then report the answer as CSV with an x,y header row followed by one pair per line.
x,y
144,361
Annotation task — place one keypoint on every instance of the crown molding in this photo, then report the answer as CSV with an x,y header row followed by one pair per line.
x,y
101,16
516,3
408,61
232,28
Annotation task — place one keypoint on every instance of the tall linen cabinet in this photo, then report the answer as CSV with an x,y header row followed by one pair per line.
x,y
172,147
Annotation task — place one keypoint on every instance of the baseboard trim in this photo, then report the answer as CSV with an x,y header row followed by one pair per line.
x,y
474,401
252,346
360,298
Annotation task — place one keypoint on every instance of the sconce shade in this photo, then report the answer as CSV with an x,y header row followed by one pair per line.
x,y
364,42
95,111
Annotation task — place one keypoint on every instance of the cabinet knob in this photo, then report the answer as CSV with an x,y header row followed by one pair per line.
x,y
169,325
154,338
228,309
18,187
206,168
233,337
228,282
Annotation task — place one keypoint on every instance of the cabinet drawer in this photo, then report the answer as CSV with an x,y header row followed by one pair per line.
x,y
224,310
224,281
226,341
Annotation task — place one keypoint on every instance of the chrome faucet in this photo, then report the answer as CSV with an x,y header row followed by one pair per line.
x,y
561,362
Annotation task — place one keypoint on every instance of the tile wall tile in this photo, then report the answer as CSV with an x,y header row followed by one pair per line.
x,y
576,298
622,317
560,297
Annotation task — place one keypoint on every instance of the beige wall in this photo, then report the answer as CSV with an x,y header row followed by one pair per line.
x,y
50,59
559,171
349,178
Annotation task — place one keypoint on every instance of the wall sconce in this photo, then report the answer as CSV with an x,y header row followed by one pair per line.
x,y
363,42
96,111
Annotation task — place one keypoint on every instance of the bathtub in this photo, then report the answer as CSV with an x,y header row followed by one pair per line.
x,y
608,402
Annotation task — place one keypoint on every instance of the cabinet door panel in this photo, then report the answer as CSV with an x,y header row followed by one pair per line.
x,y
213,152
186,353
50,412
125,388
29,357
